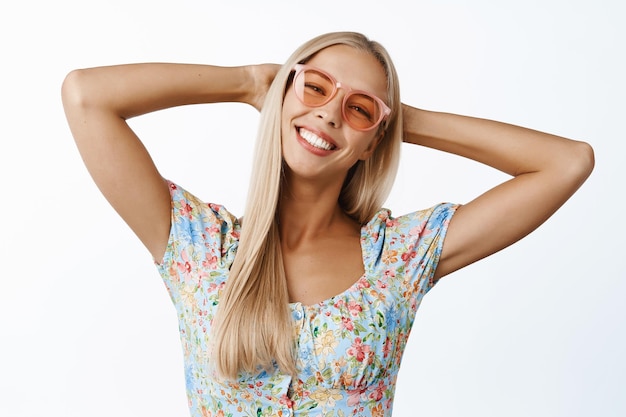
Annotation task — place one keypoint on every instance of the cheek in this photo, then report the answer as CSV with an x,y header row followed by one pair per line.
x,y
291,112
363,140
291,104
286,110
366,145
286,119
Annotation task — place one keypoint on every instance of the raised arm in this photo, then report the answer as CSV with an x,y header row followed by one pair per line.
x,y
97,103
546,171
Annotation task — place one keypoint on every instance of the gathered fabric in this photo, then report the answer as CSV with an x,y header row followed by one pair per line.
x,y
348,347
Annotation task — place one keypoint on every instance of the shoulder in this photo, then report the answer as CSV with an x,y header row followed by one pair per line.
x,y
416,236
187,208
206,229
410,224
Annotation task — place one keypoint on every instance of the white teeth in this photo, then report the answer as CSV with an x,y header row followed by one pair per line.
x,y
315,140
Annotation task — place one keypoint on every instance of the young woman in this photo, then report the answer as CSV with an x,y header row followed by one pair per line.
x,y
303,307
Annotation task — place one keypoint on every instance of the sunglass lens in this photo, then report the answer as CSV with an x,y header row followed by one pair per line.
x,y
316,88
362,111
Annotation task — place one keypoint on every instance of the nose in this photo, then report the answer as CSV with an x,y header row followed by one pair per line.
x,y
331,111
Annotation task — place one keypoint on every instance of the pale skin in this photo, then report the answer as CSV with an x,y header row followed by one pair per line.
x,y
321,248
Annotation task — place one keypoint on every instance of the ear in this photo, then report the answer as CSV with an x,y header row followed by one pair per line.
x,y
372,146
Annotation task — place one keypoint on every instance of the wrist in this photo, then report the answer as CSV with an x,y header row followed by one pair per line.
x,y
250,84
260,79
413,123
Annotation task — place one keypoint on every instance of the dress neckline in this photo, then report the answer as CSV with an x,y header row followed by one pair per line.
x,y
351,288
329,300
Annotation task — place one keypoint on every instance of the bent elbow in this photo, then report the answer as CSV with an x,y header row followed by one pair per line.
x,y
577,163
585,159
72,90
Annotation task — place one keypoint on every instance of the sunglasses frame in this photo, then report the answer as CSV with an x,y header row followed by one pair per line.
x,y
385,110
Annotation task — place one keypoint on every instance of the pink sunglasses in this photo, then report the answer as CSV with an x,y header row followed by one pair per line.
x,y
361,110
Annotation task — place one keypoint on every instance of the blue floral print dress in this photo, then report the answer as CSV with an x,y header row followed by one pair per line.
x,y
349,346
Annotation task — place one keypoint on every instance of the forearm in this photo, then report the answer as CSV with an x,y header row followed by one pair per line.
x,y
547,170
135,89
512,149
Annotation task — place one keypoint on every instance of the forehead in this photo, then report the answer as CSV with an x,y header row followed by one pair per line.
x,y
355,68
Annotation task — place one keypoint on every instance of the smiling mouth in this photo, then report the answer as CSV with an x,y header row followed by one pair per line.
x,y
314,140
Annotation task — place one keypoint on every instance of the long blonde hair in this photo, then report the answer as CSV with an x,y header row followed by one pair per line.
x,y
253,327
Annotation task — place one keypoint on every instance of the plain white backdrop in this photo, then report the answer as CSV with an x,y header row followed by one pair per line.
x,y
86,326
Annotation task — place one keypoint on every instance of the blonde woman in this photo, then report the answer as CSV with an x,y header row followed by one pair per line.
x,y
305,305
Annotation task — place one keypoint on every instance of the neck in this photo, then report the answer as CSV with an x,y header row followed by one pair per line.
x,y
308,209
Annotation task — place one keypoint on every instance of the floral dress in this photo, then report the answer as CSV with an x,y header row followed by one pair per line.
x,y
349,346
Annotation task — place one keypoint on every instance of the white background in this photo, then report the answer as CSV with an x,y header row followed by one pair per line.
x,y
86,326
